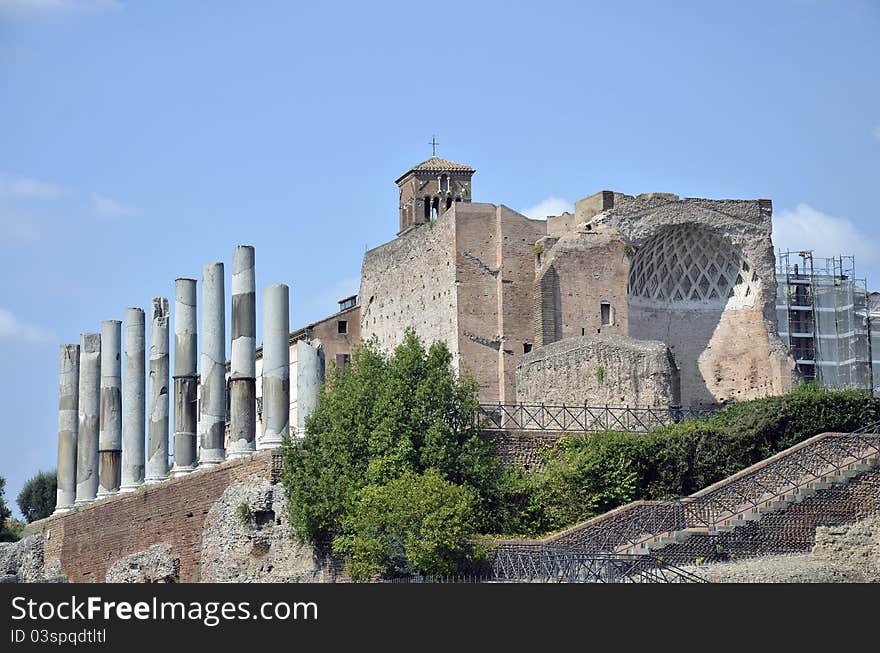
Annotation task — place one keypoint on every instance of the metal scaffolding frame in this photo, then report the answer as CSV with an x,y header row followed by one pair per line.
x,y
824,317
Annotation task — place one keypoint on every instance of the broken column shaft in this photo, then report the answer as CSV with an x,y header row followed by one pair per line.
x,y
133,402
157,441
88,414
242,377
68,406
276,365
185,377
110,433
212,425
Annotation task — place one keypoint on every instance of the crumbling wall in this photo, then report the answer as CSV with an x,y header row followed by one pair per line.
x,y
23,561
154,564
727,350
599,370
248,538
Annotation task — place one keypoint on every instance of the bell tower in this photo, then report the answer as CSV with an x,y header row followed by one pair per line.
x,y
428,189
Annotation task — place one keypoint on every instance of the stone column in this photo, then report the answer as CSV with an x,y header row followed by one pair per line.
x,y
243,372
133,401
185,377
157,442
212,425
110,434
276,365
68,405
309,377
89,412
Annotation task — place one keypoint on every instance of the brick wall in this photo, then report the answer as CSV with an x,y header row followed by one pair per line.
x,y
522,447
88,540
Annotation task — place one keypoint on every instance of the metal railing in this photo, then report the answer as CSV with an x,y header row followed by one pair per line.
x,y
566,565
811,461
551,417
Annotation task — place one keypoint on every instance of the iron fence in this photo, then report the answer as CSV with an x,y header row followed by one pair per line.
x,y
568,565
551,417
559,565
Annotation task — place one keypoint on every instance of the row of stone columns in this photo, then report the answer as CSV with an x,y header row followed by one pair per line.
x,y
101,421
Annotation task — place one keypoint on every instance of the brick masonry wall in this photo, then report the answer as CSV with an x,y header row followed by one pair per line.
x,y
494,279
584,270
88,540
522,448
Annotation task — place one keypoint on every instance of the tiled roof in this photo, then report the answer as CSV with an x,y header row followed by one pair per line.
x,y
435,163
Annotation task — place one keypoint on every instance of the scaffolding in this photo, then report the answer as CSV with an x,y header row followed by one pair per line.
x,y
824,314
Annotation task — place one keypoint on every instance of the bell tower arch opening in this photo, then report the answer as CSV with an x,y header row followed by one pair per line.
x,y
429,189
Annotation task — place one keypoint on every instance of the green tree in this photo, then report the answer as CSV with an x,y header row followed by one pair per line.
x,y
414,523
378,419
6,535
37,498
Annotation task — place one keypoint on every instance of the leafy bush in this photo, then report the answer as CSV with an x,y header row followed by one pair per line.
x,y
37,498
6,533
414,523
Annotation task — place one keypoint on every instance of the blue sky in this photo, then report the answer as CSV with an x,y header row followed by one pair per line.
x,y
142,139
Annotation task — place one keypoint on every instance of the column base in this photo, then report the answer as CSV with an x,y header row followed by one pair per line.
x,y
153,480
61,511
211,457
103,494
241,447
177,472
125,489
269,443
82,502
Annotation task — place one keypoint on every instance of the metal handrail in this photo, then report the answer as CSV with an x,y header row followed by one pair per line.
x,y
572,565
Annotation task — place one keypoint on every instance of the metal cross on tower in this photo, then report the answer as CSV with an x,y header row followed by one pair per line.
x,y
433,145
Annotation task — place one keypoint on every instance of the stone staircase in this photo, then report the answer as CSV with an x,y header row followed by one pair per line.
x,y
772,507
782,526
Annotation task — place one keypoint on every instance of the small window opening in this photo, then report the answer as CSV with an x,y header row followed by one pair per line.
x,y
607,314
527,347
444,183
583,331
427,208
435,208
342,360
448,202
342,326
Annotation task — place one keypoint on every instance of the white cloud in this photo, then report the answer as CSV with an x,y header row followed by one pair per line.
x,y
806,228
13,329
106,207
548,206
24,187
57,6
